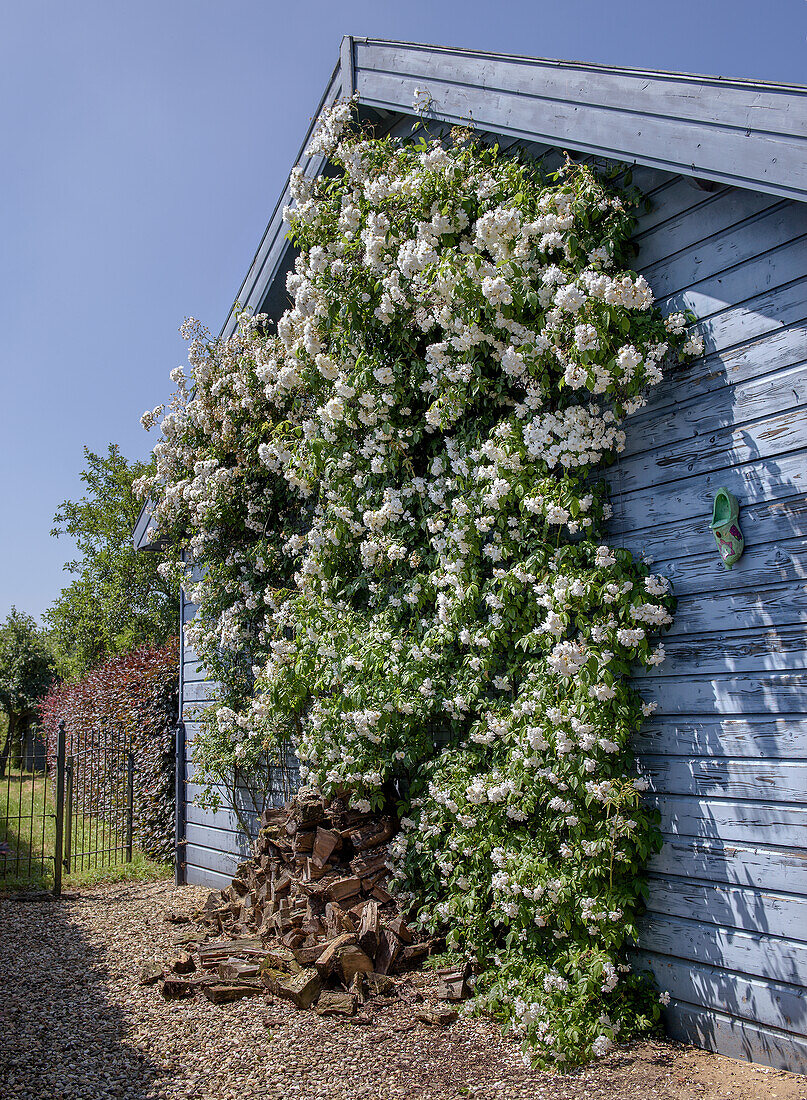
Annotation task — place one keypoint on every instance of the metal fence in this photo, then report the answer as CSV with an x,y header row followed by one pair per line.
x,y
75,814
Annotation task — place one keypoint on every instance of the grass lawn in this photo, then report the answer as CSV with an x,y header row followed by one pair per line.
x,y
26,836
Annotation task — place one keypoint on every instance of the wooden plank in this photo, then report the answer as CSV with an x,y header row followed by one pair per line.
x,y
778,650
735,1038
773,1004
346,66
203,691
767,108
688,813
223,819
720,654
741,609
768,693
771,352
211,859
202,876
728,315
783,871
714,215
763,563
767,164
615,125
731,906
746,408
219,840
758,738
750,953
734,245
712,777
684,501
727,447
766,523
674,198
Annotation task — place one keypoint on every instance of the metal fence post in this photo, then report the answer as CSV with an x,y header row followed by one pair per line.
x,y
60,770
68,814
129,805
179,808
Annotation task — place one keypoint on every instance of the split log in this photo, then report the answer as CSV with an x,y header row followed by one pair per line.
x,y
369,929
326,960
351,960
333,1003
389,949
326,842
222,993
302,989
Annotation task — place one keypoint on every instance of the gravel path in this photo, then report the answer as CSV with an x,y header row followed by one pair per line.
x,y
75,1023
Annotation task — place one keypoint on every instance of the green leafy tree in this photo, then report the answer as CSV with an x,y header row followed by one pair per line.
x,y
27,670
118,600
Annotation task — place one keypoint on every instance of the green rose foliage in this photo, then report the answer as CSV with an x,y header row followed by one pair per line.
x,y
393,496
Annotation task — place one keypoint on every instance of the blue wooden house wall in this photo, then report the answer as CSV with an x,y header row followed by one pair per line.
x,y
726,751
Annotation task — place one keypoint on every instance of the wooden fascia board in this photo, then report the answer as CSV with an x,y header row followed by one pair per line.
x,y
140,536
744,134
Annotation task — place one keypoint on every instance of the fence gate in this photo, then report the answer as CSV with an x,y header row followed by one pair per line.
x,y
76,814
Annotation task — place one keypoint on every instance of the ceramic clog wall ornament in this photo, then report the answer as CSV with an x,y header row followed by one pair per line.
x,y
726,528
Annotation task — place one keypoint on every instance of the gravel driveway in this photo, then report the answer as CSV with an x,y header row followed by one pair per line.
x,y
74,1022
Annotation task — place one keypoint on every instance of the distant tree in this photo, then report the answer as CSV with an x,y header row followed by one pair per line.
x,y
118,600
27,670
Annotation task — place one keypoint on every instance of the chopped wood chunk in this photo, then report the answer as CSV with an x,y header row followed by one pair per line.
x,y
351,960
211,954
308,956
224,992
439,1016
337,919
302,989
183,963
326,960
333,1003
399,926
150,974
389,948
281,958
370,864
173,917
235,970
371,834
326,842
414,954
174,989
344,888
369,929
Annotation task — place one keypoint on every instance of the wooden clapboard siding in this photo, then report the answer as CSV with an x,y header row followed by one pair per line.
x,y
214,841
726,751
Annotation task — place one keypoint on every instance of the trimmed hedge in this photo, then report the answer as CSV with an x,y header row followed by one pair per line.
x,y
134,695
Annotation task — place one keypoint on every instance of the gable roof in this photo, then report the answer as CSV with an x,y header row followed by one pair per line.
x,y
750,134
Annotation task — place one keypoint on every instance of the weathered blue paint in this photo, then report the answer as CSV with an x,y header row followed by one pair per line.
x,y
726,752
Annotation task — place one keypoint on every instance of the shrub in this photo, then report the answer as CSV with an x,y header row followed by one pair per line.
x,y
395,493
134,697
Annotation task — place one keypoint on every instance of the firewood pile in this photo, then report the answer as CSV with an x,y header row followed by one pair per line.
x,y
308,919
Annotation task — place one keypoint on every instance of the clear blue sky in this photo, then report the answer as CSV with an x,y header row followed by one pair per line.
x,y
143,148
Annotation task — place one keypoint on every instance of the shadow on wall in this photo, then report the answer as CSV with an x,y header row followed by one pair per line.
x,y
726,751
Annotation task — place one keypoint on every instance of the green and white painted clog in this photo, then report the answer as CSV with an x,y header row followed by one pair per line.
x,y
726,528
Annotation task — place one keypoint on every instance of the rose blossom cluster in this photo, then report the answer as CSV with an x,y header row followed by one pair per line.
x,y
398,542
